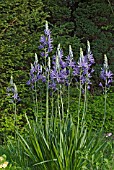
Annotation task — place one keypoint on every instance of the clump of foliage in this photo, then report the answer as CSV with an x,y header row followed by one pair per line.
x,y
53,140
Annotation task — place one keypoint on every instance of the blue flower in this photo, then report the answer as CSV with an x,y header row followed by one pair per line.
x,y
70,62
12,91
106,75
36,73
46,42
84,68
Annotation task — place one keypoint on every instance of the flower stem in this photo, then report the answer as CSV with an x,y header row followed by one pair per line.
x,y
36,103
105,100
15,117
85,108
47,102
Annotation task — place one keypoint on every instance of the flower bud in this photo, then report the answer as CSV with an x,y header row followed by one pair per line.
x,y
32,66
88,47
49,65
70,52
36,59
105,62
11,80
58,57
15,88
46,26
81,55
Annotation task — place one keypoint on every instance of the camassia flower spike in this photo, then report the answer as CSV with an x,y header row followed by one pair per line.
x,y
36,73
106,75
12,91
46,42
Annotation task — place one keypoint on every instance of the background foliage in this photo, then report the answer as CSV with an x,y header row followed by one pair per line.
x,y
85,20
21,25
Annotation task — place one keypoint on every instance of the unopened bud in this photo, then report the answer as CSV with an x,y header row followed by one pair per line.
x,y
15,88
58,56
105,63
88,47
70,52
81,54
46,25
49,64
41,68
32,66
11,80
58,50
36,58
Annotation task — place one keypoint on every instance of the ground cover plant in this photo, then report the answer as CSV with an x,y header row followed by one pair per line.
x,y
52,139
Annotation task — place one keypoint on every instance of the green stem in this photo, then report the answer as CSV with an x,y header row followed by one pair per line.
x,y
79,102
15,117
85,108
47,103
68,99
105,98
52,105
36,102
58,96
52,110
61,103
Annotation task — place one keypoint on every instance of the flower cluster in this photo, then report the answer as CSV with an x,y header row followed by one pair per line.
x,y
46,42
83,69
61,69
71,66
12,91
69,60
106,75
36,73
58,73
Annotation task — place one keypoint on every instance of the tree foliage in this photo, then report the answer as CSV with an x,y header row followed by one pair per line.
x,y
91,20
95,21
21,25
62,22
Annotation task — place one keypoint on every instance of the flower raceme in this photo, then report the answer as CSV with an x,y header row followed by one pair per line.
x,y
106,75
81,71
46,42
12,90
60,69
36,73
58,74
70,60
84,67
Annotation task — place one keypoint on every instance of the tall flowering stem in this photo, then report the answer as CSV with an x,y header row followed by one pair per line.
x,y
70,65
84,70
36,76
14,98
46,47
46,43
107,78
47,96
40,73
58,76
